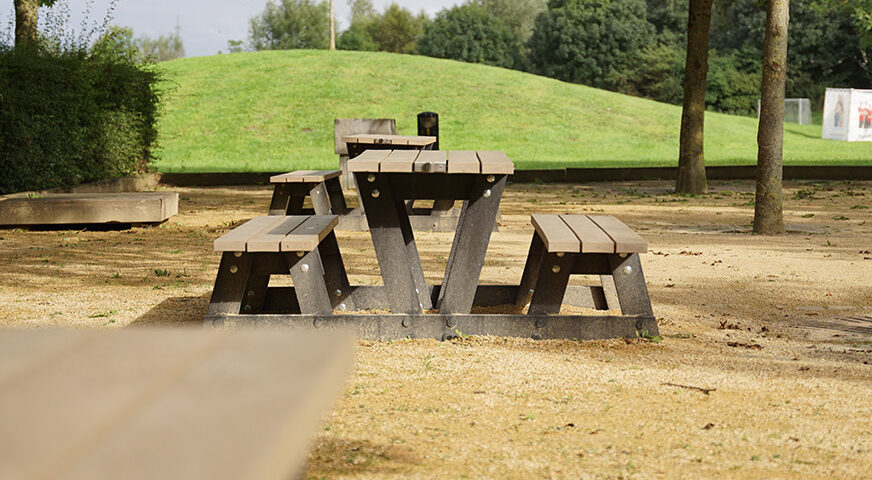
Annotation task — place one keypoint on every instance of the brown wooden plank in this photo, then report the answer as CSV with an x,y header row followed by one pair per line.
x,y
400,161
626,240
105,411
367,161
290,177
89,208
309,234
270,239
593,239
321,175
381,139
432,161
495,162
463,161
555,234
236,240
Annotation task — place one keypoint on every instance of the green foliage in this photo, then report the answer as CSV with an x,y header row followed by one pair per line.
x,y
658,74
470,34
162,48
590,41
290,24
397,29
518,15
357,37
70,117
118,42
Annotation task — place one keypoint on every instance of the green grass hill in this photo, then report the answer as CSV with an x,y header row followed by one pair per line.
x,y
271,111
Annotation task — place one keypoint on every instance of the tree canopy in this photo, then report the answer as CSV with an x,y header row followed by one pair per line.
x,y
290,24
469,33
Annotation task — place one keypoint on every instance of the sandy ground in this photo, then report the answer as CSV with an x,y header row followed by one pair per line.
x,y
775,333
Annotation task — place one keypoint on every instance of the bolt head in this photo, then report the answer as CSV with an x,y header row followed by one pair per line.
x,y
338,293
300,254
406,322
491,178
342,307
237,254
560,254
251,293
628,270
318,323
540,323
487,193
304,267
234,269
555,269
370,178
247,308
451,323
375,194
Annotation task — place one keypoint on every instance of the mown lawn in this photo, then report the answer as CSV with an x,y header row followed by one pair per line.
x,y
270,111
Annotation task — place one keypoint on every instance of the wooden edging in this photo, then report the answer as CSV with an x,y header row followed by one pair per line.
x,y
567,175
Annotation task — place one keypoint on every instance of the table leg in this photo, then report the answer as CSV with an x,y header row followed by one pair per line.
x,y
553,277
335,275
391,233
337,199
320,200
630,285
307,273
531,271
279,203
474,227
229,290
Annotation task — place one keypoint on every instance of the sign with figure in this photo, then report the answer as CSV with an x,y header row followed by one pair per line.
x,y
847,115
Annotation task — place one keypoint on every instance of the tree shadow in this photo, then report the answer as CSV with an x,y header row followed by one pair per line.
x,y
331,457
175,311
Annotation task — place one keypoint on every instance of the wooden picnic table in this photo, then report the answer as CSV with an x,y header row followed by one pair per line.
x,y
358,143
386,179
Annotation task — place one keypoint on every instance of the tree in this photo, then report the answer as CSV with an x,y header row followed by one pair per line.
x,y
518,15
691,158
119,42
470,34
162,48
332,28
397,30
589,41
26,20
768,215
290,24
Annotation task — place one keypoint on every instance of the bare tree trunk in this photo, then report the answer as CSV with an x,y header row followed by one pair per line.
x,y
768,215
691,159
332,28
26,13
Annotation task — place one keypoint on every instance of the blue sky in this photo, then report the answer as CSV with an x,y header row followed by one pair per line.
x,y
206,25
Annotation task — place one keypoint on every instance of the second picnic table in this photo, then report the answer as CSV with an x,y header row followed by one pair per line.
x,y
386,179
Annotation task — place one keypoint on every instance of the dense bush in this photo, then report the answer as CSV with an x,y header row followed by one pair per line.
x,y
470,34
70,117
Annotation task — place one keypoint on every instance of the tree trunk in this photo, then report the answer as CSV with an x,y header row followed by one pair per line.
x,y
332,28
768,217
691,160
26,13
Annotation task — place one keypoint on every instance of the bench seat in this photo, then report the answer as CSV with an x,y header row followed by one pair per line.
x,y
305,176
302,246
563,245
322,186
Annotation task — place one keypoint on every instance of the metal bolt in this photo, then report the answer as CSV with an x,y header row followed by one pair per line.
x,y
370,178
233,269
218,322
247,308
540,323
487,193
300,254
342,307
560,254
304,267
628,269
237,254
251,293
451,323
622,255
491,178
406,322
319,323
338,293
531,290
555,269
375,194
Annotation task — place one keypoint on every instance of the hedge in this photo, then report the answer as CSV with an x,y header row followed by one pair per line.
x,y
70,117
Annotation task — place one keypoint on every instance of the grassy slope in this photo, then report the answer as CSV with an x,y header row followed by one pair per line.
x,y
271,111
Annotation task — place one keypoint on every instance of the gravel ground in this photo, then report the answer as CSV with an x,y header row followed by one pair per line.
x,y
763,372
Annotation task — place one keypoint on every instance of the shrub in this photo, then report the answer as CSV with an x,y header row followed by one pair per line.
x,y
70,117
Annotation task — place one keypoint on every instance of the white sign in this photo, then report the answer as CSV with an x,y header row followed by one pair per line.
x,y
848,115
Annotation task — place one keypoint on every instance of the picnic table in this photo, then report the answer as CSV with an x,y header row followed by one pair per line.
x,y
386,179
359,143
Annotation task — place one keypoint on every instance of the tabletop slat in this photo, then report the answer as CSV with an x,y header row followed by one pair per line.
x,y
309,234
399,161
463,161
236,239
431,161
495,162
593,239
383,139
626,240
367,161
270,239
555,234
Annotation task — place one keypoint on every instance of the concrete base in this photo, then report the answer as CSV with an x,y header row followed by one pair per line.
x,y
89,208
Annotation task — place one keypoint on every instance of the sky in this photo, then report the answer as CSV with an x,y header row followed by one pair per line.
x,y
206,25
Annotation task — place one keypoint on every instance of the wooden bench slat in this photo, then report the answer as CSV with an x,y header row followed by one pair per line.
x,y
290,177
270,239
321,175
383,139
463,161
495,162
309,234
367,161
431,161
400,161
237,239
626,240
555,234
593,239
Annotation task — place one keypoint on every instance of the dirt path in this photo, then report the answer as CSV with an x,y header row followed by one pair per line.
x,y
779,328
